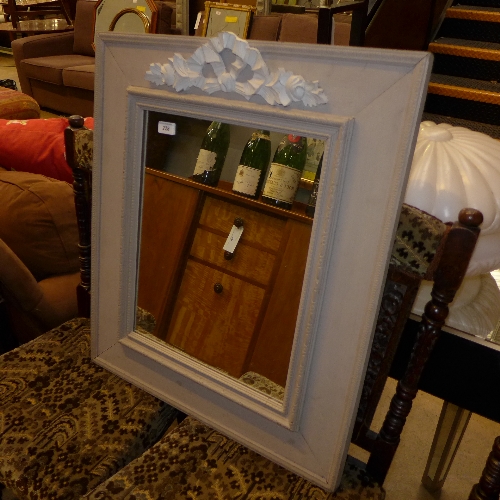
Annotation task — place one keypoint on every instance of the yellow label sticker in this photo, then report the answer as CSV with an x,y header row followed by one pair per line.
x,y
231,19
140,8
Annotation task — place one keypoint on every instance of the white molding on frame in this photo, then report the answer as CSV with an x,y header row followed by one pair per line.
x,y
337,131
276,87
370,124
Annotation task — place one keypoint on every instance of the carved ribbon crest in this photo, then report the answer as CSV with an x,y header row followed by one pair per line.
x,y
279,87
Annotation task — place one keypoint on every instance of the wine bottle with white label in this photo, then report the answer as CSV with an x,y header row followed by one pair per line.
x,y
285,172
253,164
212,154
311,205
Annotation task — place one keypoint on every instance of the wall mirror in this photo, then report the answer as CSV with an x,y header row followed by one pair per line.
x,y
222,307
125,16
275,358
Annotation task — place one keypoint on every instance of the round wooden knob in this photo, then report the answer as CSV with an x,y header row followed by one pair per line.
x,y
470,217
218,288
75,121
238,222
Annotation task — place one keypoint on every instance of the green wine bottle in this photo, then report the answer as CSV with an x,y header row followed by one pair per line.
x,y
212,154
284,174
311,205
253,163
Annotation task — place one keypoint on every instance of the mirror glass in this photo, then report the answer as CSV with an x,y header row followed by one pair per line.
x,y
106,10
494,335
222,261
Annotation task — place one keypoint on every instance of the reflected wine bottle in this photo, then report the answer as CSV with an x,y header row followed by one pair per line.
x,y
311,205
285,172
212,154
253,164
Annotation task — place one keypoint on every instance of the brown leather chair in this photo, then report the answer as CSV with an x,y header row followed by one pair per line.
x,y
39,261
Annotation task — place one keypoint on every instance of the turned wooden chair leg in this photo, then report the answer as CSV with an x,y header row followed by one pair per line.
x,y
488,487
447,280
80,161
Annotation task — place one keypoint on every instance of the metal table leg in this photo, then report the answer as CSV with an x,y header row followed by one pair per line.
x,y
449,432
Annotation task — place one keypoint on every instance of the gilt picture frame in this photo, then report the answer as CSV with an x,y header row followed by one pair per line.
x,y
227,17
136,16
366,105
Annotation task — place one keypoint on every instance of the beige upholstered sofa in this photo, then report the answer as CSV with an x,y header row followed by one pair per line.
x,y
57,70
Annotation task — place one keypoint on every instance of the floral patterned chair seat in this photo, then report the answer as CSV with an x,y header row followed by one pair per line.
x,y
66,424
195,462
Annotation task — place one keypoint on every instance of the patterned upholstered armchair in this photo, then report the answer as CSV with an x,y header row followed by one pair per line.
x,y
67,424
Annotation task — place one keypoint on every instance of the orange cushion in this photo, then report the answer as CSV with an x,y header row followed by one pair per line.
x,y
38,223
36,146
16,105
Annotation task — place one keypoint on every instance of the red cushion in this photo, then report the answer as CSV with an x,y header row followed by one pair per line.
x,y
36,146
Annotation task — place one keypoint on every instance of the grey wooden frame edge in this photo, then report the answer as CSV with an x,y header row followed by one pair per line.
x,y
328,477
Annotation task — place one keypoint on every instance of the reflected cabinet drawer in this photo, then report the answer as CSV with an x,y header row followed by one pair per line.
x,y
228,313
255,253
261,230
214,317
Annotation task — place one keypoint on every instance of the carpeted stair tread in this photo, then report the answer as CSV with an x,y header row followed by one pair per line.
x,y
467,6
473,12
466,83
491,130
459,42
464,88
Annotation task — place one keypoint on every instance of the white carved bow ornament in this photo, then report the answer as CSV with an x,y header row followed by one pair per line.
x,y
280,87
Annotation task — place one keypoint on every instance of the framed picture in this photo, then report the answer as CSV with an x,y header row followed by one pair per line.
x,y
267,340
226,17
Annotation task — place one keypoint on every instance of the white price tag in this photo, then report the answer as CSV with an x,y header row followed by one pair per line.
x,y
232,239
166,128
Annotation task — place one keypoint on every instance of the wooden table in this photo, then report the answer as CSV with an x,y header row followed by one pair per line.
x,y
36,27
463,370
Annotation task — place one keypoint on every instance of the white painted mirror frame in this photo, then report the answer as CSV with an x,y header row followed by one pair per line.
x,y
375,100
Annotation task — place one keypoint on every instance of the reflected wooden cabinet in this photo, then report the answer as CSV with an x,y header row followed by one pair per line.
x,y
235,314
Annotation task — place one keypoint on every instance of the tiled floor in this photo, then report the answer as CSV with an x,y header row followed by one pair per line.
x,y
403,481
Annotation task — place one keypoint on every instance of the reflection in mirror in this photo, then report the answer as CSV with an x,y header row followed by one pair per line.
x,y
494,335
125,16
226,223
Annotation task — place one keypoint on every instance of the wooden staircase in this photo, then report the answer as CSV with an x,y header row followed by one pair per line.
x,y
464,88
